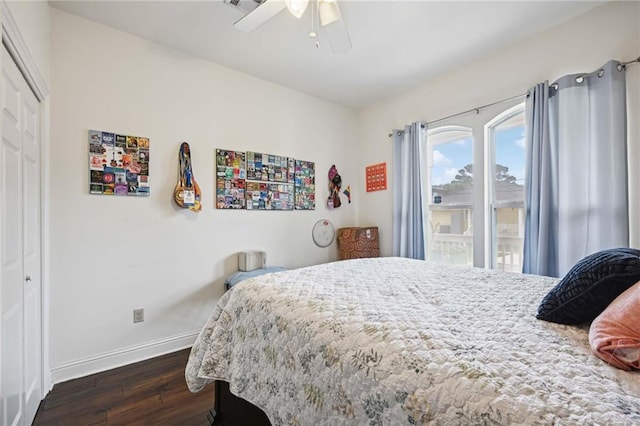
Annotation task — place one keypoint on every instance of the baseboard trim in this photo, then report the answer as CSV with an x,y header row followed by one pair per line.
x,y
109,360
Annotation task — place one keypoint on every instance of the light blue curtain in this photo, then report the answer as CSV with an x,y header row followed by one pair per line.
x,y
576,189
408,216
540,255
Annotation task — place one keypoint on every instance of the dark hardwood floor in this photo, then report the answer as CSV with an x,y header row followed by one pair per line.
x,y
152,392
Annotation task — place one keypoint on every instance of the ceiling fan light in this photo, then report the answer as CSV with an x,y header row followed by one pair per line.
x,y
328,12
297,7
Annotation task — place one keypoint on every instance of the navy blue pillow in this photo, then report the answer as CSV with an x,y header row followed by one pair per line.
x,y
590,286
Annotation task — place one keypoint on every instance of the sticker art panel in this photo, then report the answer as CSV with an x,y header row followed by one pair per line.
x,y
118,164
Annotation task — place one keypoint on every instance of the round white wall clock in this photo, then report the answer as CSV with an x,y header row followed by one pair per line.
x,y
323,233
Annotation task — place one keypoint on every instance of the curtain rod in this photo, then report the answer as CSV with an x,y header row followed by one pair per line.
x,y
621,66
476,109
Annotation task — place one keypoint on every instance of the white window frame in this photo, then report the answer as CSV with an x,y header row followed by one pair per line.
x,y
491,205
437,136
480,124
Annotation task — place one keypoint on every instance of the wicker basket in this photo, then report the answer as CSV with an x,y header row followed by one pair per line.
x,y
354,243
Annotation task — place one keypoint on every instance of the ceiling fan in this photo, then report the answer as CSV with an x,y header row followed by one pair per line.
x,y
326,12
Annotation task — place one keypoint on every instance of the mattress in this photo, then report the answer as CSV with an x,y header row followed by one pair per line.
x,y
391,341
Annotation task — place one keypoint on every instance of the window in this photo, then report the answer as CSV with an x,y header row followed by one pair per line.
x,y
507,161
449,213
491,144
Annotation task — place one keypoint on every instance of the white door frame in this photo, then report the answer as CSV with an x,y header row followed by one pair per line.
x,y
17,47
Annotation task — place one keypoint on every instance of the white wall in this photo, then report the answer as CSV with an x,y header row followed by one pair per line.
x,y
112,254
611,31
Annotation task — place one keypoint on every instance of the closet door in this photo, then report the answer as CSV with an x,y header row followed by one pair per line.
x,y
21,283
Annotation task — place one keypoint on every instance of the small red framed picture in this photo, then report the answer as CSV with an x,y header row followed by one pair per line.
x,y
376,176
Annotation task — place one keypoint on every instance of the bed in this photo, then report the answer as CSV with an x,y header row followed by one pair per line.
x,y
392,341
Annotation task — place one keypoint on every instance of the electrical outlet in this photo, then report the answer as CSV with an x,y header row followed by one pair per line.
x,y
138,315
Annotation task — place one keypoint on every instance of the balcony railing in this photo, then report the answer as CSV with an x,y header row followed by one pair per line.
x,y
509,253
458,249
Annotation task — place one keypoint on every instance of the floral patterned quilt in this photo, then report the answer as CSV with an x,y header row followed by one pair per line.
x,y
392,341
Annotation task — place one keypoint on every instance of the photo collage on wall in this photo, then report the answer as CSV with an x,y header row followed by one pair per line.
x,y
278,171
230,179
269,196
305,185
269,168
118,164
258,181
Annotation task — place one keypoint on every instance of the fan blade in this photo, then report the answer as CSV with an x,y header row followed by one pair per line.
x,y
259,15
331,20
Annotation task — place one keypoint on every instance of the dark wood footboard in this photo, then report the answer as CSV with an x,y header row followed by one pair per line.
x,y
229,410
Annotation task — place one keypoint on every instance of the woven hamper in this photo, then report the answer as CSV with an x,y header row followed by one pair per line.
x,y
355,243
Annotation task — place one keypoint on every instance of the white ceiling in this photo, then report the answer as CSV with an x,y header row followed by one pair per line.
x,y
396,44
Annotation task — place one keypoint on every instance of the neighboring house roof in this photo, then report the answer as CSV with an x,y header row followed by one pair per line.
x,y
463,195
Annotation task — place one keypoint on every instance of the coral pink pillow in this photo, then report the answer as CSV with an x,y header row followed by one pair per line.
x,y
615,334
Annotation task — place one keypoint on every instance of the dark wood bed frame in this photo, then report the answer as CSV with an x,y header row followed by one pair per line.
x,y
230,410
